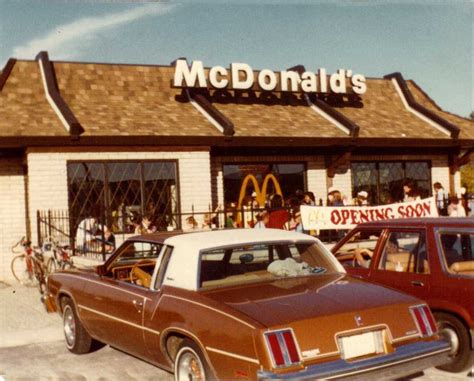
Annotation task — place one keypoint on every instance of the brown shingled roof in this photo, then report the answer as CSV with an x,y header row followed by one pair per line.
x,y
136,100
384,115
128,100
466,125
24,109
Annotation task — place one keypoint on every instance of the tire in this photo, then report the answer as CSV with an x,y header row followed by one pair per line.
x,y
190,363
454,331
77,339
19,268
40,275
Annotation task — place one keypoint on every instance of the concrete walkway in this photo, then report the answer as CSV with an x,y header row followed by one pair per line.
x,y
23,319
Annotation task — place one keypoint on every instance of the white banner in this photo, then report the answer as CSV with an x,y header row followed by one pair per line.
x,y
346,217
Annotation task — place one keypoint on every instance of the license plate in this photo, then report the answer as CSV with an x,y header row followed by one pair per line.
x,y
364,344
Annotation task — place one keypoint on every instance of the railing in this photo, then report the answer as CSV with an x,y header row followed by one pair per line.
x,y
63,228
60,226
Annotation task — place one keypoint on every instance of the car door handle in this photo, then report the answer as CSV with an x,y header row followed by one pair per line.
x,y
417,283
138,305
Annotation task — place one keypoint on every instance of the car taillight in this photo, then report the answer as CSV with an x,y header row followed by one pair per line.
x,y
282,346
424,320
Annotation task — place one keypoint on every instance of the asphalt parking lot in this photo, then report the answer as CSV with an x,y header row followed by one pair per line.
x,y
32,348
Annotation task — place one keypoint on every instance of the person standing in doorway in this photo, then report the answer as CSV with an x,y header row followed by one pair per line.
x,y
440,197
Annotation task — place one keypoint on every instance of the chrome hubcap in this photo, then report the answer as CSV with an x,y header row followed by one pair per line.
x,y
450,335
69,326
190,368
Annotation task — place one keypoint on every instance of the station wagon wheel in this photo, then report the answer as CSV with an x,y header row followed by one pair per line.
x,y
190,364
77,339
454,331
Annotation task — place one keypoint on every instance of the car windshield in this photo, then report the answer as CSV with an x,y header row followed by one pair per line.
x,y
253,263
458,249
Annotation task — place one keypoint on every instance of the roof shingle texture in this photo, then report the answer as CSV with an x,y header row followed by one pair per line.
x,y
128,100
466,125
110,99
24,109
383,115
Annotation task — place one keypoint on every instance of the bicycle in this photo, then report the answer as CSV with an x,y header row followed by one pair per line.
x,y
27,266
60,260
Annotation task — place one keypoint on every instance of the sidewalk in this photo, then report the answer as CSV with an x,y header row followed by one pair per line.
x,y
23,319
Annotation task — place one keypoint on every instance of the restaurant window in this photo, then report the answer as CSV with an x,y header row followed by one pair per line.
x,y
290,177
120,193
383,181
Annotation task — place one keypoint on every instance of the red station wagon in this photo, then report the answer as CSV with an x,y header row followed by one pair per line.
x,y
430,258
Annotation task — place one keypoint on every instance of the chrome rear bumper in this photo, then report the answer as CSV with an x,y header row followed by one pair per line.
x,y
406,360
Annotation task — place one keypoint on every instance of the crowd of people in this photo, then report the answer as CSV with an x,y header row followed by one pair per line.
x,y
276,213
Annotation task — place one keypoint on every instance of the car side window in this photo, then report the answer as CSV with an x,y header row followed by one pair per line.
x,y
405,252
163,266
458,252
135,263
359,249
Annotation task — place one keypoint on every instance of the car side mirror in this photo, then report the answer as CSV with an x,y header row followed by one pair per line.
x,y
101,270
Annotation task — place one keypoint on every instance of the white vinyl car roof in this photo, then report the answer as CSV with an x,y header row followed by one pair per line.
x,y
183,267
217,238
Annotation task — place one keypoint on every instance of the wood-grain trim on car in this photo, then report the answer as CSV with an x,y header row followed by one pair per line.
x,y
211,308
118,319
234,355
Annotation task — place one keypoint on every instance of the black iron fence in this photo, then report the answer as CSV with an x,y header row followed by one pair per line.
x,y
96,237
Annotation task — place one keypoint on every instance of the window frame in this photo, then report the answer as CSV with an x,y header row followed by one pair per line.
x,y
105,203
377,169
437,231
266,162
422,235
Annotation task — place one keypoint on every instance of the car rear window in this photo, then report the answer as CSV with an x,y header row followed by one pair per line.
x,y
260,262
457,250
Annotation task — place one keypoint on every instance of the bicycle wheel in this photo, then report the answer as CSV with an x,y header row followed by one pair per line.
x,y
51,265
39,271
22,269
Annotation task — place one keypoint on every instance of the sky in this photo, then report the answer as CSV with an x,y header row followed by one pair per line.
x,y
428,41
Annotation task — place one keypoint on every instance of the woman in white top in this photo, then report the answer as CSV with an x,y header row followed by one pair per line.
x,y
455,208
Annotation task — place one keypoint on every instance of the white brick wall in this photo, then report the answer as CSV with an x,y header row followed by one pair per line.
x,y
47,177
12,211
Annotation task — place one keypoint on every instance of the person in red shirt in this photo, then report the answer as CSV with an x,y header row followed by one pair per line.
x,y
278,216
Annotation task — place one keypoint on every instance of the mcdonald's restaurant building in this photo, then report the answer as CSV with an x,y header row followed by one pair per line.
x,y
181,138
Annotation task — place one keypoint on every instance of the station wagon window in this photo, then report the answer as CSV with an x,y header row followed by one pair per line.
x,y
457,250
405,252
254,263
358,250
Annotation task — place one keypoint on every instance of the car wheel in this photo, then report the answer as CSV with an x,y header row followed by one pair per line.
x,y
454,331
77,339
190,364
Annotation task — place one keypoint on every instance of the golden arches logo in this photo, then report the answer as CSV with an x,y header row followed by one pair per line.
x,y
261,194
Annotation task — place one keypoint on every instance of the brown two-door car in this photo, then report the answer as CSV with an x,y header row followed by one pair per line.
x,y
430,258
244,304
